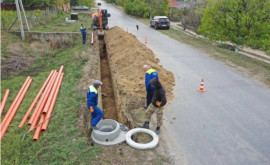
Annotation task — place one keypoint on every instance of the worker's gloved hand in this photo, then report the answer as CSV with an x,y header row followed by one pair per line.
x,y
158,103
91,109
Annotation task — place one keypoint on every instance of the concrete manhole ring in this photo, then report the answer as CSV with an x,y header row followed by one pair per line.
x,y
149,145
109,133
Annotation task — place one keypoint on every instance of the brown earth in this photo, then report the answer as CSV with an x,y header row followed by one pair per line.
x,y
126,56
108,101
123,94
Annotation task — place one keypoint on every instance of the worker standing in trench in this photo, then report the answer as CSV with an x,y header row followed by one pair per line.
x,y
83,31
92,102
149,74
158,102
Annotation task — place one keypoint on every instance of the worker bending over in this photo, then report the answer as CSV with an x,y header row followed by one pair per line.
x,y
92,102
158,102
149,75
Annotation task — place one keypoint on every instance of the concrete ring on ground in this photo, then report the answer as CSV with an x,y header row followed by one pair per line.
x,y
109,133
149,145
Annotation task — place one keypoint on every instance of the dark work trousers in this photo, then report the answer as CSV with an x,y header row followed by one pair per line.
x,y
149,96
83,37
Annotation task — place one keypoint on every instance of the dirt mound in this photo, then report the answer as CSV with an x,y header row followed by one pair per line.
x,y
127,56
14,65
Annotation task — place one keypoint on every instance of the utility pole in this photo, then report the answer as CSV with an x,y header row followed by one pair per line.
x,y
25,19
20,18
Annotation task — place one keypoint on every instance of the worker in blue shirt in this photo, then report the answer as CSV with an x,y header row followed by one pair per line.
x,y
83,31
92,102
149,75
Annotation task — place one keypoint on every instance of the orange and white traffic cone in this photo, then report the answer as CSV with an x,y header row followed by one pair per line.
x,y
201,89
145,40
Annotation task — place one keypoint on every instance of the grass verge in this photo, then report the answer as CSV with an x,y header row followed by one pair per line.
x,y
62,143
59,24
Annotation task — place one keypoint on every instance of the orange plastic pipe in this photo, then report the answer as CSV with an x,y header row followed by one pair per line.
x,y
92,39
36,99
45,110
3,103
38,130
17,105
14,102
50,110
41,104
42,98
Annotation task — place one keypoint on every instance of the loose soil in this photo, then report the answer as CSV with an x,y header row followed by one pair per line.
x,y
123,94
126,56
108,100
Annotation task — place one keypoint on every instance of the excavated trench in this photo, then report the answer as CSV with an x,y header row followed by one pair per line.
x,y
119,67
108,100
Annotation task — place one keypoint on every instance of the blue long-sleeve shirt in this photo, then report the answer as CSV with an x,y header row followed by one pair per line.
x,y
92,96
149,75
83,30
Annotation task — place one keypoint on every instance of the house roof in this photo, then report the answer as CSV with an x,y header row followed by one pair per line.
x,y
174,4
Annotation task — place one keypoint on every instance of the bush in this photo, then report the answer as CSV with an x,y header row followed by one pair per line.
x,y
8,16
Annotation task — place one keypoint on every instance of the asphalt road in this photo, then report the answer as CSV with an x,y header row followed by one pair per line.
x,y
229,124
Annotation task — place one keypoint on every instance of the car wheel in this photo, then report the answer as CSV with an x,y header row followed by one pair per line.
x,y
156,27
168,28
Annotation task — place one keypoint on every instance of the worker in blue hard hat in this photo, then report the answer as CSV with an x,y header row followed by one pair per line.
x,y
92,102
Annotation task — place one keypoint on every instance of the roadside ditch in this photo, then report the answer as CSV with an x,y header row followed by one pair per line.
x,y
119,66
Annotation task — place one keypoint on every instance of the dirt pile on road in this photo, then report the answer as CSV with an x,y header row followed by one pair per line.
x,y
127,56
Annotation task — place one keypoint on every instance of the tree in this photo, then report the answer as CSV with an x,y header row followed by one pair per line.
x,y
159,7
85,2
137,8
238,21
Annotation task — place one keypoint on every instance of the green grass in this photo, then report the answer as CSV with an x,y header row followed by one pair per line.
x,y
60,25
62,143
5,43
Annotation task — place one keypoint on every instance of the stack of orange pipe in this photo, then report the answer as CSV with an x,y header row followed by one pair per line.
x,y
50,105
36,99
14,106
34,118
44,103
3,103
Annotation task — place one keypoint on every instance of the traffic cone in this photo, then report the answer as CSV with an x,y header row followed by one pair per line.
x,y
145,40
201,89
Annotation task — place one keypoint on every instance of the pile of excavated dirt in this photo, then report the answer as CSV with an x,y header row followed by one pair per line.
x,y
126,56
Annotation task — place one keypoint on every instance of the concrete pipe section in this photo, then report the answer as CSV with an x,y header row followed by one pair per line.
x,y
110,132
141,146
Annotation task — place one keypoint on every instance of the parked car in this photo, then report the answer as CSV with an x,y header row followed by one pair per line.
x,y
81,8
99,4
160,22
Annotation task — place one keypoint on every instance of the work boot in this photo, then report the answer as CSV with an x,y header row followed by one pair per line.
x,y
157,130
145,125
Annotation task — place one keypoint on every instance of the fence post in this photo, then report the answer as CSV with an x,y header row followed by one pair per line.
x,y
20,19
3,23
